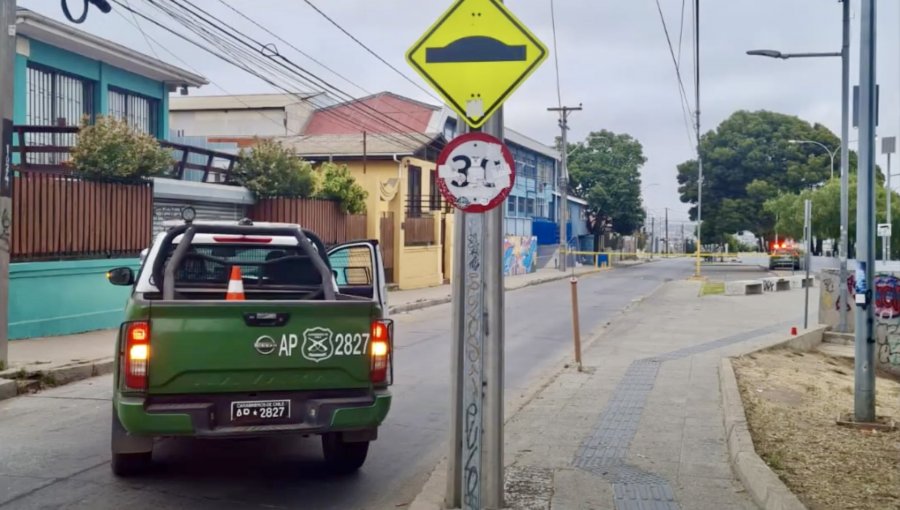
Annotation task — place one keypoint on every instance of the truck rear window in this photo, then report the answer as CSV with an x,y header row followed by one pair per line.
x,y
261,266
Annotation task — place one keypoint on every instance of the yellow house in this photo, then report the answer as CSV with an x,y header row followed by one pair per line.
x,y
405,210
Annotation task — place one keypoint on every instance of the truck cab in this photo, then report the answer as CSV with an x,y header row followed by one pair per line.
x,y
244,330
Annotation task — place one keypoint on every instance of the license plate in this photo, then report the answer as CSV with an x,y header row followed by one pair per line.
x,y
257,411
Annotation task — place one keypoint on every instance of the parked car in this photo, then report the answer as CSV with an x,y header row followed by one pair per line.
x,y
305,347
784,258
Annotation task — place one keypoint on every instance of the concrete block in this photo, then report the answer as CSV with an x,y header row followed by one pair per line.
x,y
808,340
776,284
743,287
8,389
103,367
833,337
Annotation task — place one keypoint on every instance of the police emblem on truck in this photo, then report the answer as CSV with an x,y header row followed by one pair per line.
x,y
317,345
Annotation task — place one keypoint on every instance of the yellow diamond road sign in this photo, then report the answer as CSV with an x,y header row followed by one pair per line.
x,y
475,56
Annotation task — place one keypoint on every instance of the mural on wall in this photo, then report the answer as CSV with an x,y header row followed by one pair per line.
x,y
519,255
887,313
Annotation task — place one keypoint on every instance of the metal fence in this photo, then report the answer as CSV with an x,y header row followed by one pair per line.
x,y
61,217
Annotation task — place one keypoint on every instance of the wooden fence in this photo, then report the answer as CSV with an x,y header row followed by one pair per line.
x,y
323,217
57,216
419,231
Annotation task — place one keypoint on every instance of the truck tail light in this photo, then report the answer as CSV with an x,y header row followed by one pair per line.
x,y
137,354
380,352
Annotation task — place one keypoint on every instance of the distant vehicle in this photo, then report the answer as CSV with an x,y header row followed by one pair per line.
x,y
242,330
784,256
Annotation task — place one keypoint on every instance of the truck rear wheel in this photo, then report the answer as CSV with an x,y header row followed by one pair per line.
x,y
341,456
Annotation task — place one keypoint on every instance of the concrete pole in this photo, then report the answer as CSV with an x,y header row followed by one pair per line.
x,y
492,442
667,231
845,167
7,68
652,236
807,236
697,111
563,218
864,396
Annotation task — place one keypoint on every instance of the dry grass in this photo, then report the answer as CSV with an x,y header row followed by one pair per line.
x,y
712,288
792,402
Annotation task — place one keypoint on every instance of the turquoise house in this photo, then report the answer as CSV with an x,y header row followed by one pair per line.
x,y
63,74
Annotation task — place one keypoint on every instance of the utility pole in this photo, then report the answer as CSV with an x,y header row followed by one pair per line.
x,y
864,393
652,236
564,112
807,240
7,68
667,231
844,293
683,240
697,111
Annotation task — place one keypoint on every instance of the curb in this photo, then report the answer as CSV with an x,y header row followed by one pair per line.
x,y
763,485
57,376
420,305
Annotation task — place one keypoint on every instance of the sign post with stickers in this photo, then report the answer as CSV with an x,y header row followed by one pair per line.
x,y
475,56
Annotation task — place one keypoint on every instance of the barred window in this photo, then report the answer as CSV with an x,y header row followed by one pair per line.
x,y
140,112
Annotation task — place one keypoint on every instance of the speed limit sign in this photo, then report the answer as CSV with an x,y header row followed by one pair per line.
x,y
475,172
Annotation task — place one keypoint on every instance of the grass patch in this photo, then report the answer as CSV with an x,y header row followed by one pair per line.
x,y
712,288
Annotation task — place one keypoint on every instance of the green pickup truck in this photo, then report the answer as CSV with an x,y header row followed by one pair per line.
x,y
307,349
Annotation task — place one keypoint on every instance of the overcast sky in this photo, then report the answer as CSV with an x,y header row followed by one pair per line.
x,y
613,58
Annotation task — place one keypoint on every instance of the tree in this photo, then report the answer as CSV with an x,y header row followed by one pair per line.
x,y
110,149
272,170
337,183
747,161
604,170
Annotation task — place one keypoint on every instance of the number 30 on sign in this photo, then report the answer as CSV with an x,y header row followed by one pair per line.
x,y
475,172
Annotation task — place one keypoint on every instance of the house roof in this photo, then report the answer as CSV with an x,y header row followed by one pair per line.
x,y
351,145
238,102
384,112
517,138
41,28
572,199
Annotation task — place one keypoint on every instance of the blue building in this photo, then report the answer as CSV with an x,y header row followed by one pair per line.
x,y
63,74
532,197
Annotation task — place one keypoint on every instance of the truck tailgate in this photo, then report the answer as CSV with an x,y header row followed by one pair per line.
x,y
249,346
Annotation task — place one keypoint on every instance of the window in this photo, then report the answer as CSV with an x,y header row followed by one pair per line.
x,y
210,265
511,206
529,207
414,192
435,195
55,99
521,206
140,112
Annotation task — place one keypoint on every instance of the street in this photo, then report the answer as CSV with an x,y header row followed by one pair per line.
x,y
55,448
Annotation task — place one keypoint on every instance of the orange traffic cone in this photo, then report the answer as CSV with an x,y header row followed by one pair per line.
x,y
235,285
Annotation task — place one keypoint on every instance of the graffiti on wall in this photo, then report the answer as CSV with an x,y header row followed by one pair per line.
x,y
519,255
887,313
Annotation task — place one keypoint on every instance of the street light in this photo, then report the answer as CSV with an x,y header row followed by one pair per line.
x,y
844,54
830,152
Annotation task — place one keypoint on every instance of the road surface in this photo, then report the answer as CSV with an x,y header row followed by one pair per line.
x,y
54,446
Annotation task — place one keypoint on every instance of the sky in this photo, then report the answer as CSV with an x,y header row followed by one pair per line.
x,y
613,59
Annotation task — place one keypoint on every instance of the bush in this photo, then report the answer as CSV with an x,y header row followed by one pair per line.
x,y
272,170
110,149
337,183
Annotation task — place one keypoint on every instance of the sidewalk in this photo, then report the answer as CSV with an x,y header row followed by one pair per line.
x,y
642,426
83,355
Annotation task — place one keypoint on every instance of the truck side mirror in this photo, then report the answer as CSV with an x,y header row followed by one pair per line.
x,y
123,276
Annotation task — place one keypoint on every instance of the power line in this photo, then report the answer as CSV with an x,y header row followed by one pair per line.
x,y
240,65
146,40
681,32
556,53
298,70
685,103
295,48
137,25
372,52
242,51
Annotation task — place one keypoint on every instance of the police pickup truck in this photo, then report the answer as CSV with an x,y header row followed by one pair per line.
x,y
244,330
